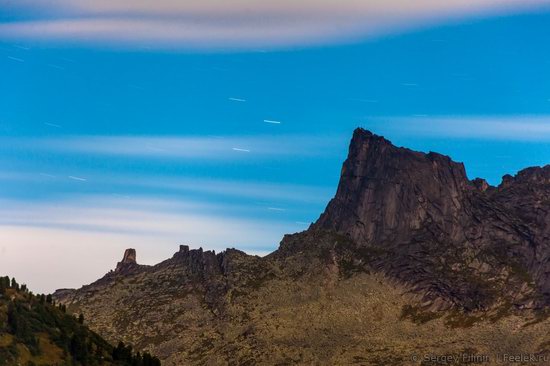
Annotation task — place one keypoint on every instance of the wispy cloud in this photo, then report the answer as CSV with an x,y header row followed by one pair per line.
x,y
192,147
140,216
248,189
171,185
518,128
232,24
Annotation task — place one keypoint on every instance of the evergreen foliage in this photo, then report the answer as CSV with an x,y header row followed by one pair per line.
x,y
25,317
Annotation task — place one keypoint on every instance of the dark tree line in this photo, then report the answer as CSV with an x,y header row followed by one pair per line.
x,y
123,353
6,283
20,326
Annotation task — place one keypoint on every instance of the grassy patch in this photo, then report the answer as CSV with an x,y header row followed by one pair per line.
x,y
460,319
418,315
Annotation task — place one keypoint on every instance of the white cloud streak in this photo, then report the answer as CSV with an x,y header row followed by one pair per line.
x,y
256,190
234,24
215,148
516,128
162,184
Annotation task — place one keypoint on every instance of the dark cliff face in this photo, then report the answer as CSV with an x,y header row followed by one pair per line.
x,y
386,192
526,198
462,243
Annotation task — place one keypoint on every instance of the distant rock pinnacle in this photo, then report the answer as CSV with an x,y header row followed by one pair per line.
x,y
129,256
128,261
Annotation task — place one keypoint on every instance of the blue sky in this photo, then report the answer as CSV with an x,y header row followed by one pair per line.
x,y
115,141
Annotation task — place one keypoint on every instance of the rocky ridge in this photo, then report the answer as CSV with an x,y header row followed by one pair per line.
x,y
408,248
462,243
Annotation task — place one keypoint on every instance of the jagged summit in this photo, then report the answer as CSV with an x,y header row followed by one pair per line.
x,y
386,191
441,232
533,175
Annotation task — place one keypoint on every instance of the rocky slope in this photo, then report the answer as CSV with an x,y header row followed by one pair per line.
x,y
408,250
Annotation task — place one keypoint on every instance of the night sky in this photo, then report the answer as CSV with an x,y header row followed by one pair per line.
x,y
212,134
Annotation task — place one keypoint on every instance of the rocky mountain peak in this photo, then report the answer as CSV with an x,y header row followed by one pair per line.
x,y
481,184
386,191
433,228
531,175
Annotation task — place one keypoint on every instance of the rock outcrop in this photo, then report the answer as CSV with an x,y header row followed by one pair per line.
x,y
387,193
128,260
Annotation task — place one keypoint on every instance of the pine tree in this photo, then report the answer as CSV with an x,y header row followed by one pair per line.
x,y
5,281
14,284
12,318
